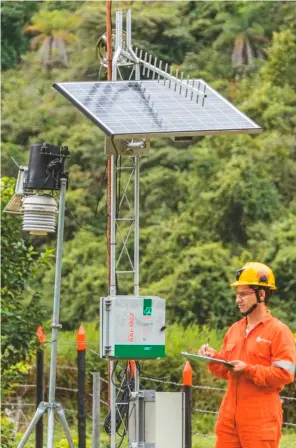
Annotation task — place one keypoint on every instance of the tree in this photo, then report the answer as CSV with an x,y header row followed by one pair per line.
x,y
84,279
53,29
197,289
216,199
14,16
281,65
245,32
21,310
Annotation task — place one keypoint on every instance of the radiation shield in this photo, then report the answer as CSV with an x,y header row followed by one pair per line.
x,y
132,327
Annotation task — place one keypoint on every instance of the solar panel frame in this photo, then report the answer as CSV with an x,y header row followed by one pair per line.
x,y
146,123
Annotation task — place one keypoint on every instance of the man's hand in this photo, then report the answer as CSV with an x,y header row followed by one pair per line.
x,y
238,369
206,350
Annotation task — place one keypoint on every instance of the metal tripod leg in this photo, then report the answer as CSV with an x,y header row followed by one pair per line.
x,y
62,417
50,427
39,411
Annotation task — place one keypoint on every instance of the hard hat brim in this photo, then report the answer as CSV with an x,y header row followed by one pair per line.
x,y
238,283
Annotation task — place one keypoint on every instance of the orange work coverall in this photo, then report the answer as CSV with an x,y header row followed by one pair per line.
x,y
250,415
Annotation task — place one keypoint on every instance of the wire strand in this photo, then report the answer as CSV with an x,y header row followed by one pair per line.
x,y
90,227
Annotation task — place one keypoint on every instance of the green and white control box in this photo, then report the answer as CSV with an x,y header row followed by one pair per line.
x,y
132,327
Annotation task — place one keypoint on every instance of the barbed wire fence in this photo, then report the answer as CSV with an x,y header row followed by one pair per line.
x,y
20,408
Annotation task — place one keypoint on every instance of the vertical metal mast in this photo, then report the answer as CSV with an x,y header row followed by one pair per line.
x,y
136,213
132,215
51,406
55,321
111,392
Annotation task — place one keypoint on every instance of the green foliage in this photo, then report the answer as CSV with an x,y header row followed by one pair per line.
x,y
52,29
206,208
169,368
14,16
84,282
278,70
21,310
7,433
178,338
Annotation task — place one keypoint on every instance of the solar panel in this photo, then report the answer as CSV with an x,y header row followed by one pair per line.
x,y
138,108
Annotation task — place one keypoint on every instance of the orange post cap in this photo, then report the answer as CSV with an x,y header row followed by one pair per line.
x,y
81,339
40,335
132,368
187,374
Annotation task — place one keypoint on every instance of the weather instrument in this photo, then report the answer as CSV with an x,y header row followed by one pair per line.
x,y
36,186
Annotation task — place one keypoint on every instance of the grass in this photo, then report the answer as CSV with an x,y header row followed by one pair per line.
x,y
287,441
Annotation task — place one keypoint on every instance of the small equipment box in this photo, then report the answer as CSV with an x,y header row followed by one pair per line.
x,y
132,327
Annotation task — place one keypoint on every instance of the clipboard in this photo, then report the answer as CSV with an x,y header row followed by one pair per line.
x,y
208,359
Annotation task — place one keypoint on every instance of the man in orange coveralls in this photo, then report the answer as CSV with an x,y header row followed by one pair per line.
x,y
262,350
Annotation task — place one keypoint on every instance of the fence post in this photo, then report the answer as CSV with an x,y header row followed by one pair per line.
x,y
96,410
81,348
39,384
187,388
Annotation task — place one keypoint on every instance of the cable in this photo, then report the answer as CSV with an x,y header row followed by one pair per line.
x,y
88,229
79,225
106,227
117,195
99,194
139,367
122,401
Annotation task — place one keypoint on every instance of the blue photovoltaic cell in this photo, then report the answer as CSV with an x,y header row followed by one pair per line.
x,y
137,108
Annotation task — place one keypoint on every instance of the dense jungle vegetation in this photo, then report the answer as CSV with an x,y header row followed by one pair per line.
x,y
206,207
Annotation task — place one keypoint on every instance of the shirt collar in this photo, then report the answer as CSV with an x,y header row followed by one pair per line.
x,y
267,317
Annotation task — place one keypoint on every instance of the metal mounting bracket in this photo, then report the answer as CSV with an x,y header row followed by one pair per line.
x,y
129,148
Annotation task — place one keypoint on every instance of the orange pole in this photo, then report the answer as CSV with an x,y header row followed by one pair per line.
x,y
40,335
132,368
187,388
187,374
109,78
81,339
81,411
109,38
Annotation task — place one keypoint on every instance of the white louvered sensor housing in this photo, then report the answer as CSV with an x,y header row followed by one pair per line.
x,y
39,214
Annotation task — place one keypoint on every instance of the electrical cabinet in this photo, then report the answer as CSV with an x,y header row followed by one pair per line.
x,y
132,327
161,419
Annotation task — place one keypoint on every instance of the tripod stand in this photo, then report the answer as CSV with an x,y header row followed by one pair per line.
x,y
51,406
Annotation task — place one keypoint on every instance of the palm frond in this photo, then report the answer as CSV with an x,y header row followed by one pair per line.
x,y
66,36
33,28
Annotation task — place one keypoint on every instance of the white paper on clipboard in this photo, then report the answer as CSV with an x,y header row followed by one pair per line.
x,y
208,359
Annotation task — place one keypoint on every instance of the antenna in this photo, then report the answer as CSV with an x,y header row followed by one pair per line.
x,y
125,56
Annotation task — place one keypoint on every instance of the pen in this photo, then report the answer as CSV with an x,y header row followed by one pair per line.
x,y
207,345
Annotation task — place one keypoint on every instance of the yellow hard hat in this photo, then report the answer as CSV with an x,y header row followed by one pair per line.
x,y
255,274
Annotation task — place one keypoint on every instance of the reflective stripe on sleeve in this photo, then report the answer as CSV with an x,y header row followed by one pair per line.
x,y
285,365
